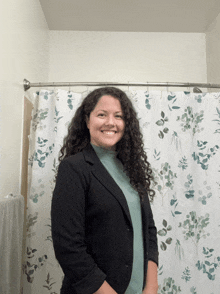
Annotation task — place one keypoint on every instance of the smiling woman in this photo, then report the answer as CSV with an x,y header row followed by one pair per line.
x,y
103,230
106,124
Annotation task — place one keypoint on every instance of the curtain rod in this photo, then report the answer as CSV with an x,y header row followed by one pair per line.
x,y
27,85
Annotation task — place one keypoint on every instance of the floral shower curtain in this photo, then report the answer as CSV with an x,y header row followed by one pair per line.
x,y
182,139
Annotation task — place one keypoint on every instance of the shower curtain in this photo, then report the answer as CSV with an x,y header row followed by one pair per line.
x,y
181,132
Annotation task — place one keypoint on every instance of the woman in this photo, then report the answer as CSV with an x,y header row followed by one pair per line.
x,y
102,226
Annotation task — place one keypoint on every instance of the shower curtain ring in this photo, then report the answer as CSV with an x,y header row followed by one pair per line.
x,y
147,87
188,88
69,88
167,87
128,87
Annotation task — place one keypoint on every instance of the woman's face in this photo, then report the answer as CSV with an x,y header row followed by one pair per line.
x,y
105,123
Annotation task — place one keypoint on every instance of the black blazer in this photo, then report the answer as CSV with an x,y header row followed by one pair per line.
x,y
91,227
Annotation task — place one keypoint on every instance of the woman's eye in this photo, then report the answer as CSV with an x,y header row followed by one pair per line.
x,y
101,114
119,116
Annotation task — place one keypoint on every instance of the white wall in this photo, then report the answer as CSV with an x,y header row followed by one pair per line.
x,y
213,52
122,57
24,38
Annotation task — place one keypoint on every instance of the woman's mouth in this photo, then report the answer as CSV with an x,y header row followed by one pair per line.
x,y
109,132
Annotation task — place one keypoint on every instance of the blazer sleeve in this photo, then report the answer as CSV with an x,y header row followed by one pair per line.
x,y
152,236
68,230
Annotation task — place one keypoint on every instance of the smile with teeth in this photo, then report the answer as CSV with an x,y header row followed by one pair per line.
x,y
109,132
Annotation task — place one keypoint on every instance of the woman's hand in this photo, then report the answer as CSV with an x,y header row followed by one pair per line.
x,y
151,280
150,290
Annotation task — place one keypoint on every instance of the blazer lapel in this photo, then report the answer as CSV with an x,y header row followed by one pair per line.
x,y
102,175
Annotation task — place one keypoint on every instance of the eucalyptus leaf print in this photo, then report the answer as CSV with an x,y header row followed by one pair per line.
x,y
156,155
204,154
31,160
163,232
205,195
30,222
193,227
57,118
217,131
160,270
176,140
45,95
179,250
190,120
174,203
193,290
49,282
186,274
49,236
161,123
29,268
69,101
169,287
210,265
164,179
147,101
199,97
172,97
190,192
34,197
36,193
183,163
40,156
38,117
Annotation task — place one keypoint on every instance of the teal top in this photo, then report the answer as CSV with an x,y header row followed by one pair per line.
x,y
115,169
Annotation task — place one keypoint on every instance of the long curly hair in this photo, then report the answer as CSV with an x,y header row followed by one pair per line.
x,y
130,149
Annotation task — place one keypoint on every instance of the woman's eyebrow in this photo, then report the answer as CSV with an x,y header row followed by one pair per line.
x,y
107,111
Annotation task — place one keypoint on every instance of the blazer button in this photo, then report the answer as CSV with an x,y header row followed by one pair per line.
x,y
126,266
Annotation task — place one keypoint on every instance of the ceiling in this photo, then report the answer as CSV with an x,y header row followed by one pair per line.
x,y
131,15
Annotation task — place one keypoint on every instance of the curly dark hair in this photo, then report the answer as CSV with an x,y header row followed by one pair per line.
x,y
130,149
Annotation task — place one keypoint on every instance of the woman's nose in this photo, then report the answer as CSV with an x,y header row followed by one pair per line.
x,y
110,120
